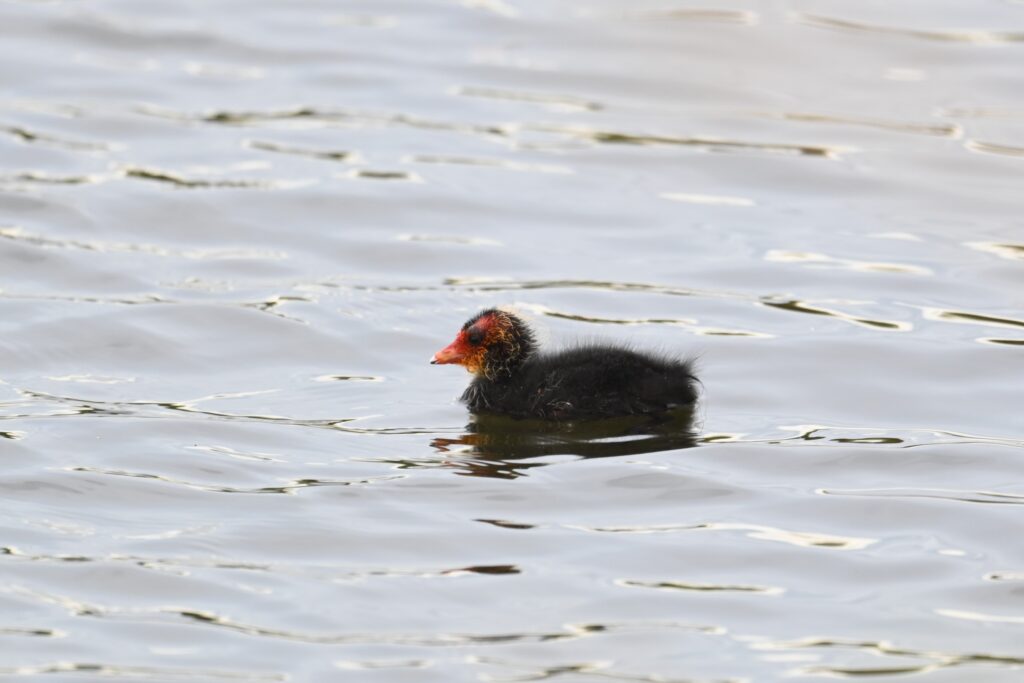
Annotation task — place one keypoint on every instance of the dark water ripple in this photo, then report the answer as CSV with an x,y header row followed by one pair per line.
x,y
934,660
714,144
289,487
978,36
949,130
320,116
31,136
986,497
326,154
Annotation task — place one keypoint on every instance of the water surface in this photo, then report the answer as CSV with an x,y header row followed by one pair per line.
x,y
234,232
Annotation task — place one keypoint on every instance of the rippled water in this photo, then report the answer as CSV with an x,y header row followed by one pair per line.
x,y
234,232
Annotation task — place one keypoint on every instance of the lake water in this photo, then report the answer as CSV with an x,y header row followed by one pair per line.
x,y
233,233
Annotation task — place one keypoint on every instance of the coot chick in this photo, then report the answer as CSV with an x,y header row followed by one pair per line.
x,y
589,381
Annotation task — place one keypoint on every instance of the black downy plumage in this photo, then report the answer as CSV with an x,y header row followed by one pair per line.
x,y
586,382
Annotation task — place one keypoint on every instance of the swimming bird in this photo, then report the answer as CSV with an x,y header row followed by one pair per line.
x,y
588,381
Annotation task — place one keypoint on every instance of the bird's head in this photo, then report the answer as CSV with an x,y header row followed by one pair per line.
x,y
491,344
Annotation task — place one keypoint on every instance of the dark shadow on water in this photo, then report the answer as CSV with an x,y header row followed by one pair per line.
x,y
495,446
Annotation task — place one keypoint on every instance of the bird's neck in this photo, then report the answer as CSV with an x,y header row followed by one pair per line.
x,y
501,370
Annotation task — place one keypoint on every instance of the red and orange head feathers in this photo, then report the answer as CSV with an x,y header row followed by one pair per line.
x,y
491,344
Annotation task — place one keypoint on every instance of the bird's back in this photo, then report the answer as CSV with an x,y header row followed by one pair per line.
x,y
587,382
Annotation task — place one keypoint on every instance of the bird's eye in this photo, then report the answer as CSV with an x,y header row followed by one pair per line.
x,y
475,337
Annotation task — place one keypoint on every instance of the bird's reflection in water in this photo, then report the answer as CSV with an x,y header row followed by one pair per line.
x,y
496,446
